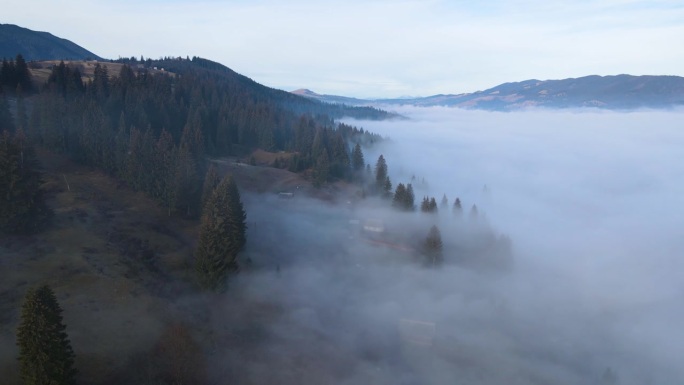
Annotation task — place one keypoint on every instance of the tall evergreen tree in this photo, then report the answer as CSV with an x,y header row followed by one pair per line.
x,y
387,188
433,247
100,82
399,199
474,213
409,198
433,205
45,353
357,159
222,236
22,73
211,180
380,174
458,209
321,169
444,205
428,205
425,205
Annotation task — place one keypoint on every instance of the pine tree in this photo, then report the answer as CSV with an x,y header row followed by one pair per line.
x,y
222,236
387,188
380,174
428,205
321,169
22,73
45,353
474,213
211,180
444,205
410,198
399,199
433,247
357,159
425,205
458,209
433,205
100,82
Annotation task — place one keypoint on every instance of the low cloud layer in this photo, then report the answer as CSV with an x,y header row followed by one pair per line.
x,y
592,203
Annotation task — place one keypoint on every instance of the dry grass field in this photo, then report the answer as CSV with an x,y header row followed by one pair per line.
x,y
114,260
40,71
121,269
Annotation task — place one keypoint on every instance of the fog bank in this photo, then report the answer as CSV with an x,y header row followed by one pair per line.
x,y
592,202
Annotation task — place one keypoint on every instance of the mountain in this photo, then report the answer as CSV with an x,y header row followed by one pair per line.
x,y
34,45
329,98
248,89
618,92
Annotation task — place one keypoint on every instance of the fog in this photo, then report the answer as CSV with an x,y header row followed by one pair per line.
x,y
591,294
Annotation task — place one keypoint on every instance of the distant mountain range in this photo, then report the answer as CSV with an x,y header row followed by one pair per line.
x,y
618,92
34,45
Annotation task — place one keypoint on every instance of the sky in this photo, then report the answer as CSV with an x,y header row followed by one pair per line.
x,y
379,48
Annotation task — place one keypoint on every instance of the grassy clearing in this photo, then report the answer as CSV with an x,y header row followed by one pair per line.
x,y
41,70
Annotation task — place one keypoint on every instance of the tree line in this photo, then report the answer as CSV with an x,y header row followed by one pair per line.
x,y
377,183
15,74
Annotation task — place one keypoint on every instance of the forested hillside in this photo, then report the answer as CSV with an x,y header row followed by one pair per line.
x,y
86,154
155,130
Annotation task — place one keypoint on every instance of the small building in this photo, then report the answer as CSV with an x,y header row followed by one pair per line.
x,y
417,332
285,195
374,226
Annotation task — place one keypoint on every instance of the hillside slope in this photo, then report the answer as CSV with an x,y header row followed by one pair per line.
x,y
34,45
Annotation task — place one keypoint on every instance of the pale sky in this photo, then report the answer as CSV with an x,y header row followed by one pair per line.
x,y
379,48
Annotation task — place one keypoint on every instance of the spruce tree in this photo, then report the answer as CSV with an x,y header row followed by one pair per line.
x,y
433,205
387,188
380,174
222,236
211,180
458,209
45,353
474,213
425,205
321,170
409,198
444,205
428,205
357,159
399,199
433,247
22,73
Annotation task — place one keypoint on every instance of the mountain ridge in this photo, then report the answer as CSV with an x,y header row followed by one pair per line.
x,y
615,92
37,45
